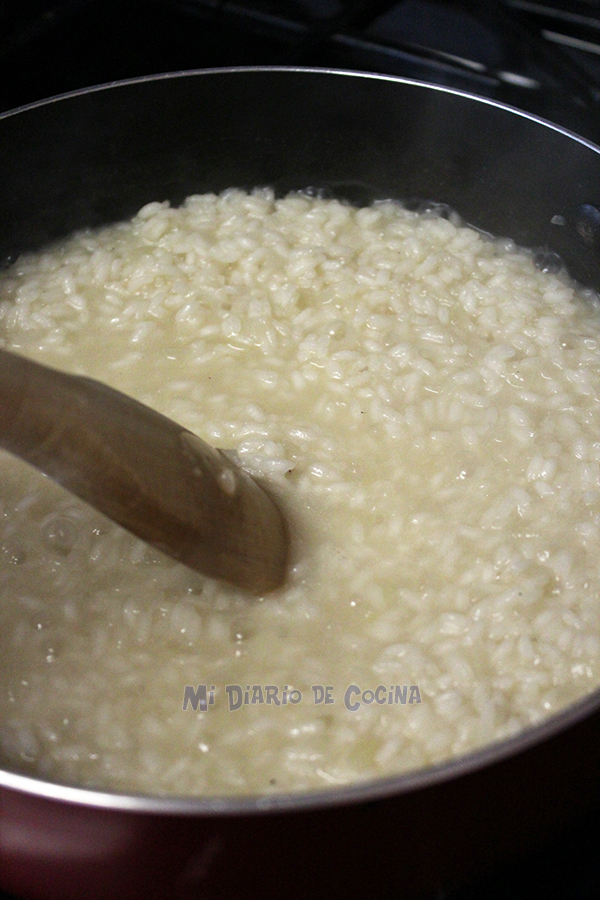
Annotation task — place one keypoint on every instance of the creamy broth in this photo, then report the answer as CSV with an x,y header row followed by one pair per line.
x,y
424,403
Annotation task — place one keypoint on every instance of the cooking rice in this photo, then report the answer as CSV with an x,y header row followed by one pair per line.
x,y
422,401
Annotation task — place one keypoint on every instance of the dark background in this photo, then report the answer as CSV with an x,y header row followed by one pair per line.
x,y
540,56
543,57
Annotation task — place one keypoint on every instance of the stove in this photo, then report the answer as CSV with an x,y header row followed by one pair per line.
x,y
542,57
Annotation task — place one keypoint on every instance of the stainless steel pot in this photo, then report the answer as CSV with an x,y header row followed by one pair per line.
x,y
97,156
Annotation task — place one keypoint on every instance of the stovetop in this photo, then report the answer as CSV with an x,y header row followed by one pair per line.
x,y
543,57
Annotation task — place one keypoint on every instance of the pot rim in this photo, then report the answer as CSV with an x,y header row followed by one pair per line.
x,y
303,70
356,792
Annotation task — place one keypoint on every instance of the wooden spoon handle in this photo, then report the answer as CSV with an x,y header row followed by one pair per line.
x,y
144,471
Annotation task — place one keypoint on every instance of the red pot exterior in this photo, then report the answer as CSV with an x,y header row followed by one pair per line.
x,y
409,845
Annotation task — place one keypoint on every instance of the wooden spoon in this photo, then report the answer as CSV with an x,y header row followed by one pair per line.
x,y
145,472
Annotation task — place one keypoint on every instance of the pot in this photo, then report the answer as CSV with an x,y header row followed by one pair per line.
x,y
97,156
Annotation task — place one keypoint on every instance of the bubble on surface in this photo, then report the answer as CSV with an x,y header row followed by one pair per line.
x,y
60,534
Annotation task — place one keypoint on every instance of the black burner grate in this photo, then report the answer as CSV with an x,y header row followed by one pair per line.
x,y
540,57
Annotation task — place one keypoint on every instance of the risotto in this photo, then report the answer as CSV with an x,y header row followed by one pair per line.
x,y
423,402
